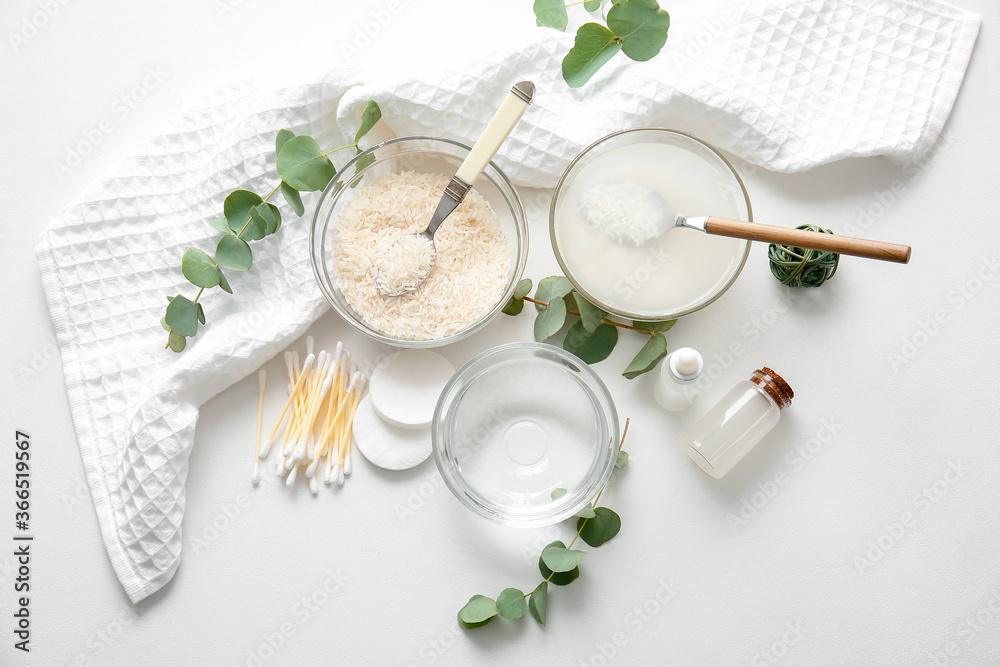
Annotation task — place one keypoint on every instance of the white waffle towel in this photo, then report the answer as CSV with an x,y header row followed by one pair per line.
x,y
798,83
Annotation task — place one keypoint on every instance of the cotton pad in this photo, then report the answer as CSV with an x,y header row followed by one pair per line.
x,y
405,390
388,446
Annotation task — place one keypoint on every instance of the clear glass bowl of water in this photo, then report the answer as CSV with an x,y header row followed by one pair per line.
x,y
519,421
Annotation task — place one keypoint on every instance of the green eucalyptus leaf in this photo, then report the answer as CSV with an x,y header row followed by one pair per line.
x,y
522,288
511,603
590,315
182,316
651,353
363,163
279,141
558,493
664,325
538,603
641,26
371,115
478,609
293,198
551,287
163,323
561,559
570,300
594,46
303,166
221,224
591,347
514,306
621,460
199,268
598,530
256,229
201,313
223,283
516,302
558,578
592,5
176,342
277,217
587,512
473,626
551,13
262,220
234,253
550,320
237,208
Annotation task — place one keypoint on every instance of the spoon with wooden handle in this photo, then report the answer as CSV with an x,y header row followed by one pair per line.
x,y
799,238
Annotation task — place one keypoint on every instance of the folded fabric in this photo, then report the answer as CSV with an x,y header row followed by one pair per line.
x,y
797,84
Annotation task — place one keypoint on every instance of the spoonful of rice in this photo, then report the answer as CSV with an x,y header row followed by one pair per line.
x,y
409,260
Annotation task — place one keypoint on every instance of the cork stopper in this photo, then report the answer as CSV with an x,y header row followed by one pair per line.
x,y
774,385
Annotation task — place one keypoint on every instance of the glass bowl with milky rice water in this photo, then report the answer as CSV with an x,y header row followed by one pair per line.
x,y
674,273
390,190
519,421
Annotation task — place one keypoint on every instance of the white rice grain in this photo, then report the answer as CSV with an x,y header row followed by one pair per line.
x,y
625,212
469,275
405,264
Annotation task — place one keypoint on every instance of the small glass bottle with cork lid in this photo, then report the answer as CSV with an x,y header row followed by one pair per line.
x,y
727,432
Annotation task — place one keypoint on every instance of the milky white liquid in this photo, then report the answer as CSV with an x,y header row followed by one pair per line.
x,y
674,272
727,432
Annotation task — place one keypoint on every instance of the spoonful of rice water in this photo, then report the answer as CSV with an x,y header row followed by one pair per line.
x,y
409,260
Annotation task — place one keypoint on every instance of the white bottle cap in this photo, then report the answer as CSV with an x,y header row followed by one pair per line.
x,y
686,363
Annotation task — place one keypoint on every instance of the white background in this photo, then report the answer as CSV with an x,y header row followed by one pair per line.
x,y
406,554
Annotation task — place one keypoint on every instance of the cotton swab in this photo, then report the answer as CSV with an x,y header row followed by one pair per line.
x,y
291,397
306,426
323,395
348,443
338,469
291,381
261,382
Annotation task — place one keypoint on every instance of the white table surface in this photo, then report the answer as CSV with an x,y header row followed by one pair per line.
x,y
871,443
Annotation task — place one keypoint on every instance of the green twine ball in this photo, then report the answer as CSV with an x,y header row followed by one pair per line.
x,y
799,267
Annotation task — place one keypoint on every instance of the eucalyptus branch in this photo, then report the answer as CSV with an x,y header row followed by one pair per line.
x,y
637,28
559,564
603,321
303,167
594,336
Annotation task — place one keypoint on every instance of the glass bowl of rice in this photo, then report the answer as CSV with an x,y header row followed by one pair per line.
x,y
391,190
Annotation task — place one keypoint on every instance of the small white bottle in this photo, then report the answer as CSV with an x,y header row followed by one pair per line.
x,y
674,389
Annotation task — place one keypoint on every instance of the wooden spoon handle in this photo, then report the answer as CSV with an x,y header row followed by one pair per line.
x,y
800,238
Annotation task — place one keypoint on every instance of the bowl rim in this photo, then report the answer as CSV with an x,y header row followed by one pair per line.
x,y
516,270
609,307
576,499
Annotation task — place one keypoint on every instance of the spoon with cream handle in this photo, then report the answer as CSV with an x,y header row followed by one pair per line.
x,y
409,260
